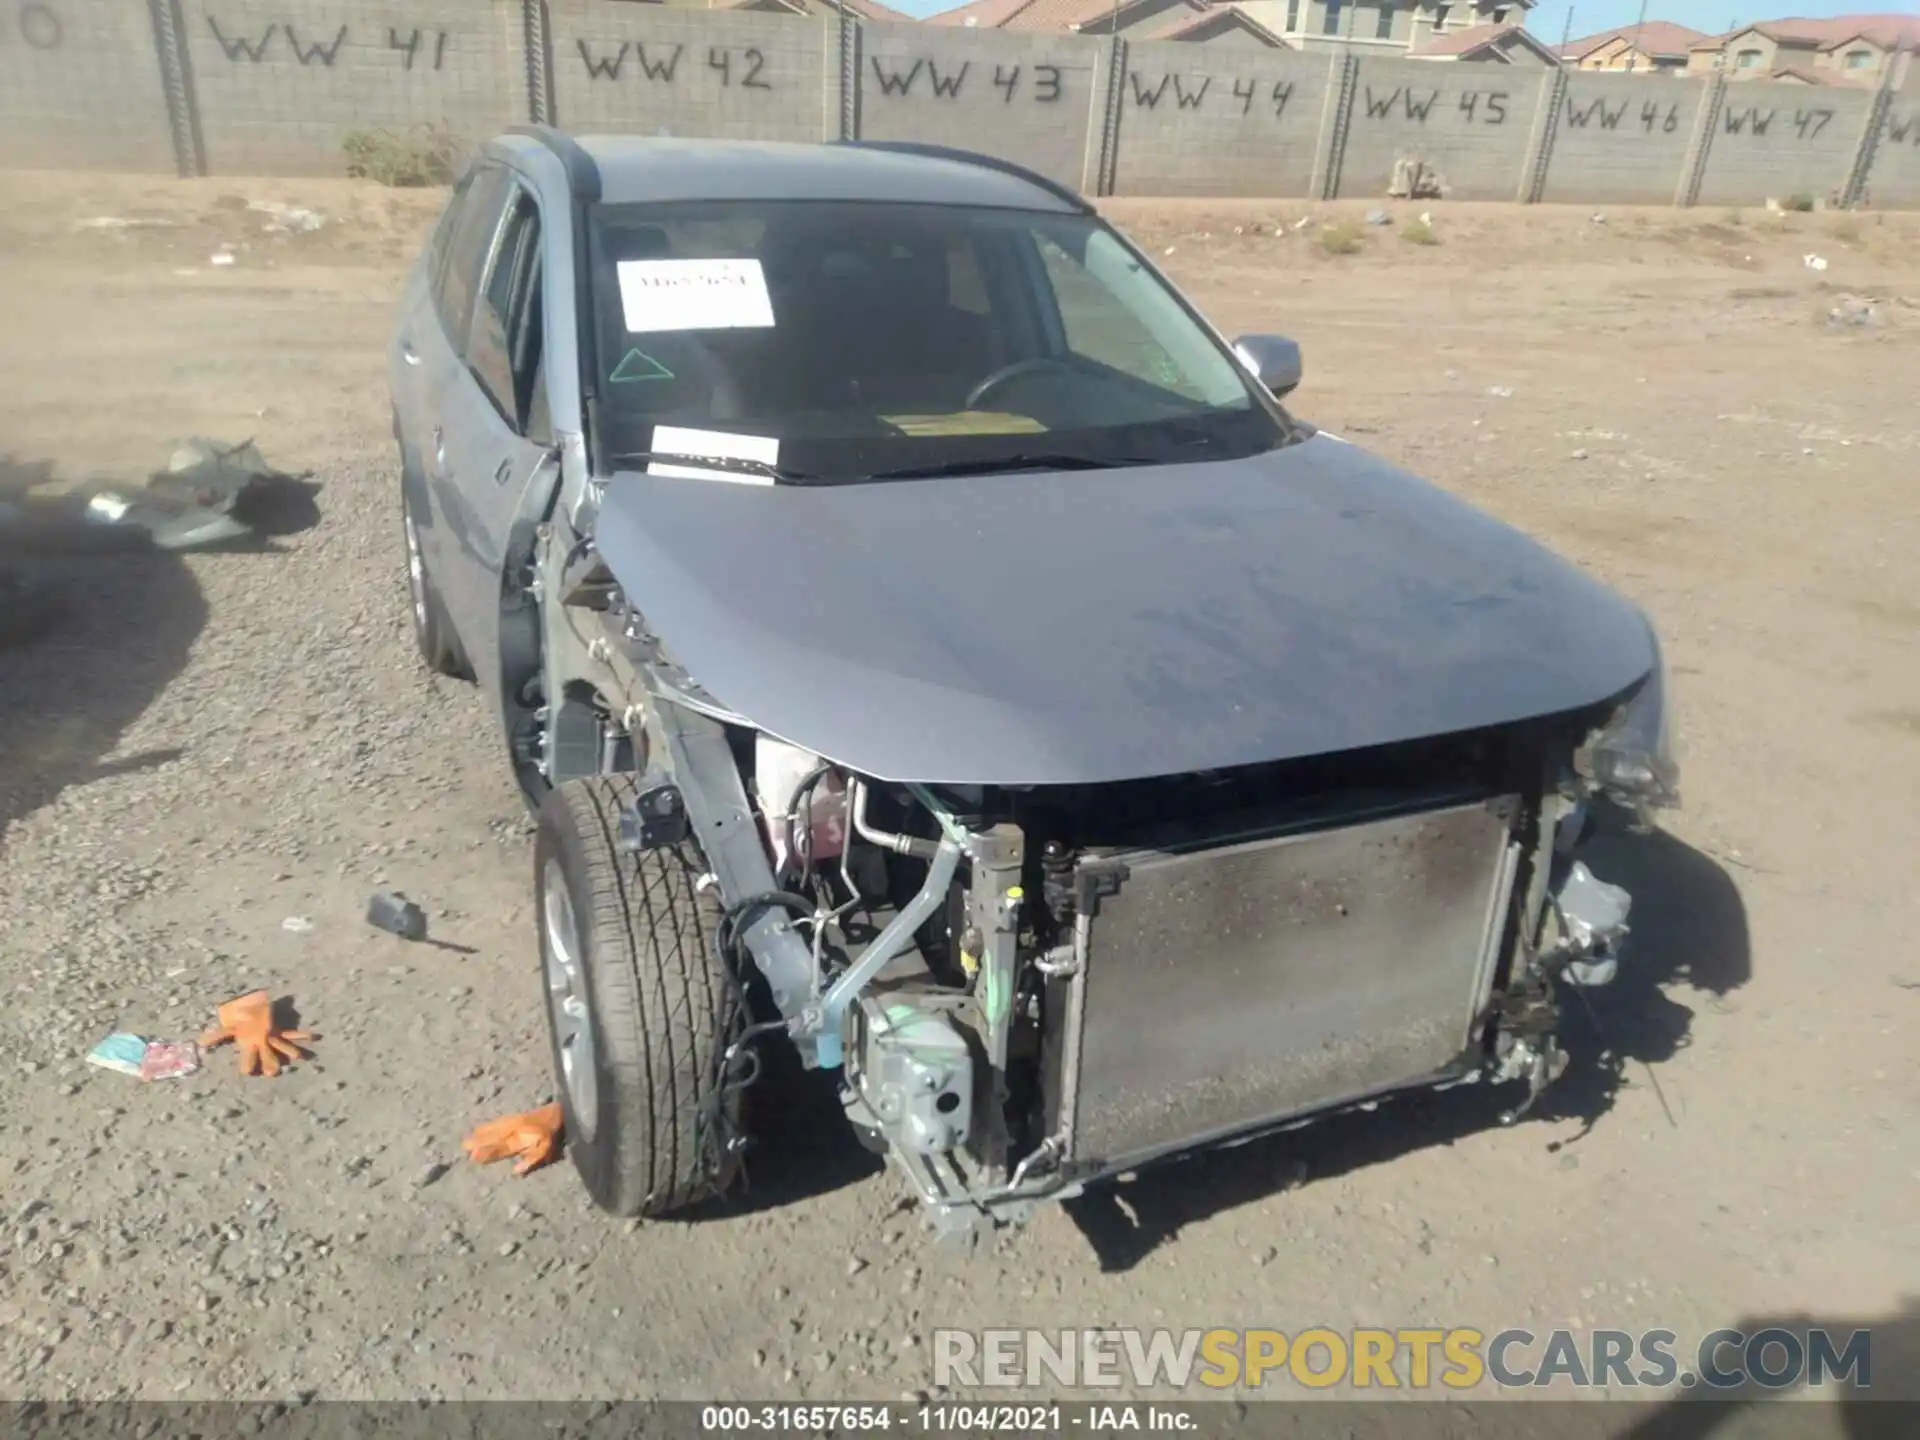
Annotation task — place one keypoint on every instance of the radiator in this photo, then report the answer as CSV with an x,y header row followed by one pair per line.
x,y
1229,987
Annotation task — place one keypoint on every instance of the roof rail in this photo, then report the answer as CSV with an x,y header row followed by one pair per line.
x,y
985,162
583,176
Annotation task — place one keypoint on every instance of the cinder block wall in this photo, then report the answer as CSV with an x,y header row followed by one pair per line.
x,y
80,87
1621,139
1774,138
278,83
1194,120
1894,180
734,75
274,87
1034,99
1469,122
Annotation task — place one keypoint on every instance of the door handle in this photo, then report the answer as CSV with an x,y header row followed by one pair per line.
x,y
408,353
439,448
503,472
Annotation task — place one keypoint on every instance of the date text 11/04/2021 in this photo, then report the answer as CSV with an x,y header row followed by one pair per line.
x,y
944,1418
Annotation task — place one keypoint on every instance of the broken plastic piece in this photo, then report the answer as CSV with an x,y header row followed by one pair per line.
x,y
247,1020
533,1136
1594,917
391,911
119,1052
169,1060
107,508
197,529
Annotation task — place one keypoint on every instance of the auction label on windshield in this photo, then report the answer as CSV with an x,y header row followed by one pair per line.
x,y
693,295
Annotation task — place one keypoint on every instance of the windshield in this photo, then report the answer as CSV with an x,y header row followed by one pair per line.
x,y
838,341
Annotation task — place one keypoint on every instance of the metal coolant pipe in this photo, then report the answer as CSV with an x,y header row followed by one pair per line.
x,y
887,944
885,839
943,860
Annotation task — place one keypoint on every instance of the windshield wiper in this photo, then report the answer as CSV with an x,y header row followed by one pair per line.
x,y
727,464
1005,464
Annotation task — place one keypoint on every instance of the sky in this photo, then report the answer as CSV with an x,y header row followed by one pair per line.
x,y
1549,19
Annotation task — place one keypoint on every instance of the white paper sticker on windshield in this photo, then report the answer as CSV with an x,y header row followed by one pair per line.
x,y
693,295
722,444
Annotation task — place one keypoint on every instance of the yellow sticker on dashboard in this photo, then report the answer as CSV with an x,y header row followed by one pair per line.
x,y
966,422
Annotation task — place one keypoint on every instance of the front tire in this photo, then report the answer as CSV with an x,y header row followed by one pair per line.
x,y
640,1005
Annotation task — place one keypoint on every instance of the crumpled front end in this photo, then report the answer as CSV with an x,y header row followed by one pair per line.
x,y
1059,984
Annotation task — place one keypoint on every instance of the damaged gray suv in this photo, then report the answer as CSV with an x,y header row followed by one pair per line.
x,y
930,645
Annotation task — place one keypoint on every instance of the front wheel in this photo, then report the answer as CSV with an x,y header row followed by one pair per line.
x,y
640,1005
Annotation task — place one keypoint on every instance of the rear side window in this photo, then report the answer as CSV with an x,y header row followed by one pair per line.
x,y
504,352
469,242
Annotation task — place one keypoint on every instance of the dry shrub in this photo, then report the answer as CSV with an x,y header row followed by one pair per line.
x,y
1342,237
427,155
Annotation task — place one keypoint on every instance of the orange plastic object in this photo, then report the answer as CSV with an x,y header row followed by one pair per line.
x,y
533,1136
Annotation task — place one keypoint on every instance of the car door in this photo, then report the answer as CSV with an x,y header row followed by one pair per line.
x,y
417,318
498,428
441,346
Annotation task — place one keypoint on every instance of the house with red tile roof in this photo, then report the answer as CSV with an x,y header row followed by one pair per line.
x,y
1859,50
1190,20
1388,27
858,9
1488,45
1658,45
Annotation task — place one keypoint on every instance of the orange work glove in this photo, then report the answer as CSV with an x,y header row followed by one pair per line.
x,y
534,1137
247,1020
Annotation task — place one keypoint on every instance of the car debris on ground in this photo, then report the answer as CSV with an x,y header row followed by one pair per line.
x,y
210,494
534,1137
391,911
284,219
1854,310
142,1059
248,1022
169,1060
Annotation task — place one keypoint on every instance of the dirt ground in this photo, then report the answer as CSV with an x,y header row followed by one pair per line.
x,y
197,749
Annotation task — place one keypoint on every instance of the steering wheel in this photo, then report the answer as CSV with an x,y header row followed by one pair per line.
x,y
1007,374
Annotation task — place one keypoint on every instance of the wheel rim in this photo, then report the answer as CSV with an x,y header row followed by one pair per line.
x,y
416,574
567,1003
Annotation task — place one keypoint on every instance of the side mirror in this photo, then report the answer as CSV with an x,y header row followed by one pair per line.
x,y
1273,360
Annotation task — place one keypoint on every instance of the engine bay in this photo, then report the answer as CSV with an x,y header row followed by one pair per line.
x,y
966,978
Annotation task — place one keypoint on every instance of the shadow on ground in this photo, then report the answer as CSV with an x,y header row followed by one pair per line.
x,y
802,1146
1877,1400
93,625
1689,929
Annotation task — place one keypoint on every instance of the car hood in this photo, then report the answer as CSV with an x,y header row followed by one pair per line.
x,y
1098,625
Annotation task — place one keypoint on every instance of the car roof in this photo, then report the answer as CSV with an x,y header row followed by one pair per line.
x,y
625,169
